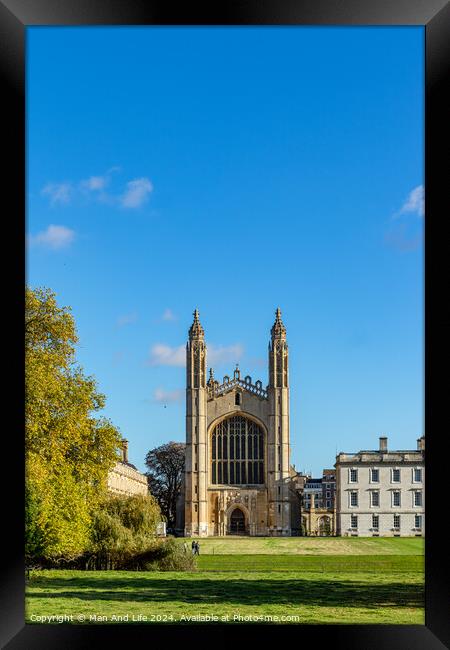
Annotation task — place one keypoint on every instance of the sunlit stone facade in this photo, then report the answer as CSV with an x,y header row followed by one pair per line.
x,y
124,478
237,472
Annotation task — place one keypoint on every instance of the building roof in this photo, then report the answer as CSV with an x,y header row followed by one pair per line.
x,y
371,455
129,465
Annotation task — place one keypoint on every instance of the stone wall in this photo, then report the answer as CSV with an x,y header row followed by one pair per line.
x,y
320,522
251,405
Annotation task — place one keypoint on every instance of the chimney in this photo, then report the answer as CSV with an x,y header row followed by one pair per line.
x,y
124,451
383,443
421,444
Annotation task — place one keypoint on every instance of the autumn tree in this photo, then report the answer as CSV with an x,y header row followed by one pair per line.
x,y
123,527
69,447
165,470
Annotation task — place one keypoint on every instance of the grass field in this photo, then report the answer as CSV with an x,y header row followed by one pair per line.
x,y
311,545
313,563
383,585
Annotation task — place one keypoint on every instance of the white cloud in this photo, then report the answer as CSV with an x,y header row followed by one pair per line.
x,y
58,192
166,396
415,203
127,319
136,193
224,354
95,183
165,355
98,183
403,233
55,237
168,315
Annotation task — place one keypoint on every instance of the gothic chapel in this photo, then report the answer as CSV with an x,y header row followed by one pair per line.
x,y
237,470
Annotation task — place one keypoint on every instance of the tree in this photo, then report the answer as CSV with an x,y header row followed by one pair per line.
x,y
123,527
166,466
69,450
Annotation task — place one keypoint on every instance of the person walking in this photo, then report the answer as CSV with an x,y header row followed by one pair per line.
x,y
193,546
197,548
185,547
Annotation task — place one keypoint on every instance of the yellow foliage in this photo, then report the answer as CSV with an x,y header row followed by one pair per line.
x,y
68,449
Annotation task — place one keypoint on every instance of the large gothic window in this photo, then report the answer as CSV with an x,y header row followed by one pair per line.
x,y
237,452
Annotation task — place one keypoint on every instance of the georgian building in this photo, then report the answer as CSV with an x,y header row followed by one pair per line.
x,y
237,473
381,493
124,478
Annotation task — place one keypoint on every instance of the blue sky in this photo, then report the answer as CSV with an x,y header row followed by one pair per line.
x,y
235,170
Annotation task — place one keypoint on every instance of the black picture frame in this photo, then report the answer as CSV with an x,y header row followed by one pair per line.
x,y
434,15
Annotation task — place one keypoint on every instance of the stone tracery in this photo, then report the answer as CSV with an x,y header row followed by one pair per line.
x,y
237,452
216,389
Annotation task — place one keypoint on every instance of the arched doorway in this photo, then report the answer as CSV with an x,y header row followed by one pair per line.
x,y
324,527
237,522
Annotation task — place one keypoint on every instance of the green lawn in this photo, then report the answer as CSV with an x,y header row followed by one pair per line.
x,y
383,585
311,545
313,563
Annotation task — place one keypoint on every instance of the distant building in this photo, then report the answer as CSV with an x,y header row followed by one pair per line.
x,y
381,493
125,478
328,488
312,493
318,505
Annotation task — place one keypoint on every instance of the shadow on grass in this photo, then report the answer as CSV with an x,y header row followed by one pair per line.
x,y
307,592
